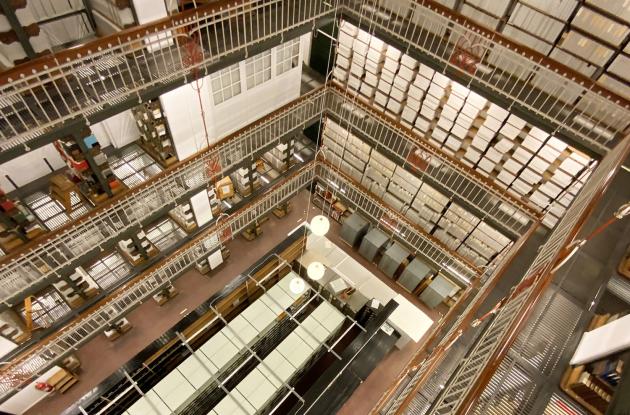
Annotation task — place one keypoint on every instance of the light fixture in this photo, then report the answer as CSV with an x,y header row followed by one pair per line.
x,y
315,270
319,225
297,285
297,156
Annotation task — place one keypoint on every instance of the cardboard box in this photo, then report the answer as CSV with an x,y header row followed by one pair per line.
x,y
224,188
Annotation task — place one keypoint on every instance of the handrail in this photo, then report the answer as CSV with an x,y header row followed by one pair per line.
x,y
130,191
426,361
525,50
317,102
468,383
95,319
555,95
459,262
530,209
66,247
141,60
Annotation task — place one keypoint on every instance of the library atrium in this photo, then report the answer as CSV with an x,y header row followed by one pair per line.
x,y
351,207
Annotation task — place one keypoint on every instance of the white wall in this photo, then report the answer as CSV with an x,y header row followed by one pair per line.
x,y
27,397
119,130
185,121
181,107
29,167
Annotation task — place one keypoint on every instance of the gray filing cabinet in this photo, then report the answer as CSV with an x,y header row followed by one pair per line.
x,y
354,228
392,258
437,291
414,274
372,243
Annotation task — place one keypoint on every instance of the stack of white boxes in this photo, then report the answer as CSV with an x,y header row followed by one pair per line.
x,y
344,150
483,135
277,157
377,174
240,179
402,189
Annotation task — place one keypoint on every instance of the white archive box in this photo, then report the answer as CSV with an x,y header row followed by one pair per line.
x,y
503,145
409,114
393,53
378,44
370,79
422,124
364,36
531,143
345,39
426,71
439,134
345,51
357,70
406,73
522,155
358,59
464,120
413,103
422,82
354,82
538,134
394,106
384,86
340,74
449,112
367,90
486,165
512,166
530,176
556,144
470,110
445,123
459,131
380,99
453,143
548,153
441,80
349,28
516,121
397,94
476,100
360,47
343,62
485,133
550,189
459,89
494,155
521,186
571,166
408,61
498,112
375,57
427,111
456,102
415,92
472,154
510,131
387,76
506,177
372,67
430,102
479,143
492,123
436,91
391,65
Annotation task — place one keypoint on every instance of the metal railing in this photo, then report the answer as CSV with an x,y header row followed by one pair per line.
x,y
65,249
41,95
433,165
48,352
421,369
465,388
570,102
399,226
76,83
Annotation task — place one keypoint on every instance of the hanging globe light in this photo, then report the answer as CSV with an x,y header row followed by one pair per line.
x,y
319,225
315,270
297,285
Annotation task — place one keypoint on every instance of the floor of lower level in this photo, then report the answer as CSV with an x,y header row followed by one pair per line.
x,y
100,357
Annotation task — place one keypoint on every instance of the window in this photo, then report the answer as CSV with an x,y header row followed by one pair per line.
x,y
258,69
109,270
287,56
47,308
133,166
226,83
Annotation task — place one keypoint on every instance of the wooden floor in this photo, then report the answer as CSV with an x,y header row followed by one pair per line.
x,y
100,357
